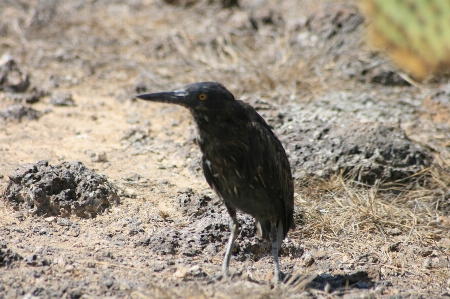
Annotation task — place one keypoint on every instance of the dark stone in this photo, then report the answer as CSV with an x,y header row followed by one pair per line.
x,y
31,260
165,242
8,257
12,79
75,294
196,204
64,222
26,98
36,260
394,247
60,190
17,112
157,267
209,232
369,151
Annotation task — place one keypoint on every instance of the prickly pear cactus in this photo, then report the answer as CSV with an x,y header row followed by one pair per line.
x,y
416,33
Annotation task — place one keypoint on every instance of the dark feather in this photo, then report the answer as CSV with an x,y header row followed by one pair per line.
x,y
244,143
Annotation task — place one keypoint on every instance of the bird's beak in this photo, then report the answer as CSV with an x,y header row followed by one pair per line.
x,y
174,97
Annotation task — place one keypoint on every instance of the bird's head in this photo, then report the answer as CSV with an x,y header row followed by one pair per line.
x,y
207,98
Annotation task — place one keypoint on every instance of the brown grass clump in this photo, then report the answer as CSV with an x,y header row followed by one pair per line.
x,y
401,226
342,205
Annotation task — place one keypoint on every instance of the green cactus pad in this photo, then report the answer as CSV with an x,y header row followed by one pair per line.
x,y
416,33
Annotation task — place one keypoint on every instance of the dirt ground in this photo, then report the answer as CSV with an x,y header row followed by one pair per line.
x,y
368,147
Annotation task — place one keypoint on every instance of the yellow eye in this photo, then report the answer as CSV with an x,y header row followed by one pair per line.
x,y
202,97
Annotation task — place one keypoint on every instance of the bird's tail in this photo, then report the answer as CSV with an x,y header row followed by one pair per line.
x,y
263,229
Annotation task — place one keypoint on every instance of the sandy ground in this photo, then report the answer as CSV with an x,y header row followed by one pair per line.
x,y
303,64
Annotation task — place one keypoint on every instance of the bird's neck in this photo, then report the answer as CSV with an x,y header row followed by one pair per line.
x,y
211,126
219,135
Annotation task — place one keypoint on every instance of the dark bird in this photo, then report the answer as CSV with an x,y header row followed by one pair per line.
x,y
243,161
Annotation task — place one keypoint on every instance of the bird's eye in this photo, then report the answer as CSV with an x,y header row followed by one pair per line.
x,y
202,97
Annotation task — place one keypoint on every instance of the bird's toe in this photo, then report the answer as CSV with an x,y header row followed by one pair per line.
x,y
278,278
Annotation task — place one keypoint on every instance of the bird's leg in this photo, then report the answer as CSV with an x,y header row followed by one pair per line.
x,y
273,236
234,228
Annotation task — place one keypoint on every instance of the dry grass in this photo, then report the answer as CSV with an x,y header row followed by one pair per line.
x,y
343,206
190,43
397,223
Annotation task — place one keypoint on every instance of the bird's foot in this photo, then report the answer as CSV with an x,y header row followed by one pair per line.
x,y
278,278
275,279
226,275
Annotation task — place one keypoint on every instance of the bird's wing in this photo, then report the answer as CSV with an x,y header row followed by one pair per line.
x,y
207,172
269,162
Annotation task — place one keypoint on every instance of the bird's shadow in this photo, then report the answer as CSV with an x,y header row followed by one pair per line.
x,y
338,285
330,283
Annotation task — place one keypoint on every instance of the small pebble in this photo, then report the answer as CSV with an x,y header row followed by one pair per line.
x,y
69,268
64,222
158,267
180,273
108,283
50,219
393,247
320,255
308,260
130,193
99,157
394,232
427,263
62,99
